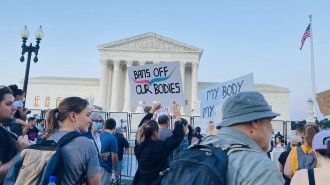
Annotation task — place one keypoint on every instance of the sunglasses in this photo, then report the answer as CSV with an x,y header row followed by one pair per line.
x,y
98,120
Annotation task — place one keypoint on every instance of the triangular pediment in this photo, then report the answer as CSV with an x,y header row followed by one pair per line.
x,y
149,42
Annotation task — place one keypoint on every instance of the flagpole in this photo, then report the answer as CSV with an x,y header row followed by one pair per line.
x,y
312,66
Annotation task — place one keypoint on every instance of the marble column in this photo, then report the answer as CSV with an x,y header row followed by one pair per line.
x,y
127,105
115,87
194,83
183,70
140,108
103,84
109,87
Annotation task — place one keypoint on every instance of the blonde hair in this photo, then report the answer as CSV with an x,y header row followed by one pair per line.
x,y
70,104
146,131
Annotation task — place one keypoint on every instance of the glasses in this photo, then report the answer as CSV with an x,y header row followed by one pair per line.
x,y
98,120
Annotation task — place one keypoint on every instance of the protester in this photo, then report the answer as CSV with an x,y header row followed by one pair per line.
x,y
319,176
197,133
109,146
280,142
97,124
164,131
294,162
19,96
10,144
185,143
79,155
122,143
151,153
300,130
277,135
294,141
246,120
32,133
41,125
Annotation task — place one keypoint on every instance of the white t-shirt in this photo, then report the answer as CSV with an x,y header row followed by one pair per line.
x,y
18,104
97,141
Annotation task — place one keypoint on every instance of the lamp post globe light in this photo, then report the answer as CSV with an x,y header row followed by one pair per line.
x,y
30,49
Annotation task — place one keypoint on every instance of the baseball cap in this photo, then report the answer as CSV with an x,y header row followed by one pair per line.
x,y
244,107
295,140
119,129
321,139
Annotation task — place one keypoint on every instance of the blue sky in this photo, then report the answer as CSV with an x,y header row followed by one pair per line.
x,y
238,37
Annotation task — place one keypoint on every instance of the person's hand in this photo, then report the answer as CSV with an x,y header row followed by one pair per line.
x,y
117,173
177,113
211,128
155,116
194,139
21,143
103,156
155,107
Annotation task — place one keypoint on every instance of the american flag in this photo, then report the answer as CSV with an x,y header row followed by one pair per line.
x,y
306,34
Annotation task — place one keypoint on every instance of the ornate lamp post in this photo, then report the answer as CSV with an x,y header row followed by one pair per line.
x,y
29,49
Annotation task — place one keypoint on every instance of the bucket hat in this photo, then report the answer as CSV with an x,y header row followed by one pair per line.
x,y
244,107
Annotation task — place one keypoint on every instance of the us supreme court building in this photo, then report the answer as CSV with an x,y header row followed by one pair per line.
x,y
111,92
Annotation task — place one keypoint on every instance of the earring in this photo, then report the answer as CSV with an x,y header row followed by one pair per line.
x,y
251,132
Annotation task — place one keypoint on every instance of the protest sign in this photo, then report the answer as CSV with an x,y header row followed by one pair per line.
x,y
213,97
156,82
163,110
323,100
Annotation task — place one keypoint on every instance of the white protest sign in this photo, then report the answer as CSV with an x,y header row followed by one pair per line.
x,y
156,82
163,110
213,97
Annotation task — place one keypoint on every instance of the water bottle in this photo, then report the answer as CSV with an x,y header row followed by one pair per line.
x,y
52,180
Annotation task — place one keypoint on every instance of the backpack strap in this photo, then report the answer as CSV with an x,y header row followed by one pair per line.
x,y
311,178
67,138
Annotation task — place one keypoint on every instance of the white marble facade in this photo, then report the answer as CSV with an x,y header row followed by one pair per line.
x,y
144,49
111,92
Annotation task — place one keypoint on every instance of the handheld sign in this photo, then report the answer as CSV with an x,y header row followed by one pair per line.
x,y
213,97
323,100
156,82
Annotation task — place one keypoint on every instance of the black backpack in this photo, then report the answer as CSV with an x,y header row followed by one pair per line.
x,y
36,163
201,164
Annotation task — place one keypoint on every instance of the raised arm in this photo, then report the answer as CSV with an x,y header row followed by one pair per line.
x,y
155,107
177,135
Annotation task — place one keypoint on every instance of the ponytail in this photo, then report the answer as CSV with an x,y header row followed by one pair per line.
x,y
146,131
310,131
51,123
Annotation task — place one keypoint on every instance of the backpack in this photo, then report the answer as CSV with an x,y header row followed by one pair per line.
x,y
305,161
203,163
36,163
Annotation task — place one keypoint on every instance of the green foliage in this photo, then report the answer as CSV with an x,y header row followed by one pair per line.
x,y
325,123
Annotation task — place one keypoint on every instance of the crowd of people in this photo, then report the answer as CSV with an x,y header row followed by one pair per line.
x,y
97,156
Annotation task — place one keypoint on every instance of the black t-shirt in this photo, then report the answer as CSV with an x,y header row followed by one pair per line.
x,y
282,159
32,133
7,146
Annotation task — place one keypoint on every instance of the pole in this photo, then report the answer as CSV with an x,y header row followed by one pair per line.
x,y
312,67
27,70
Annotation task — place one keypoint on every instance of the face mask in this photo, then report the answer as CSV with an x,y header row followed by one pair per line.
x,y
22,100
97,126
78,130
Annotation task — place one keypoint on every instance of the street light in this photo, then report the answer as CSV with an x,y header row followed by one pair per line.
x,y
29,49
